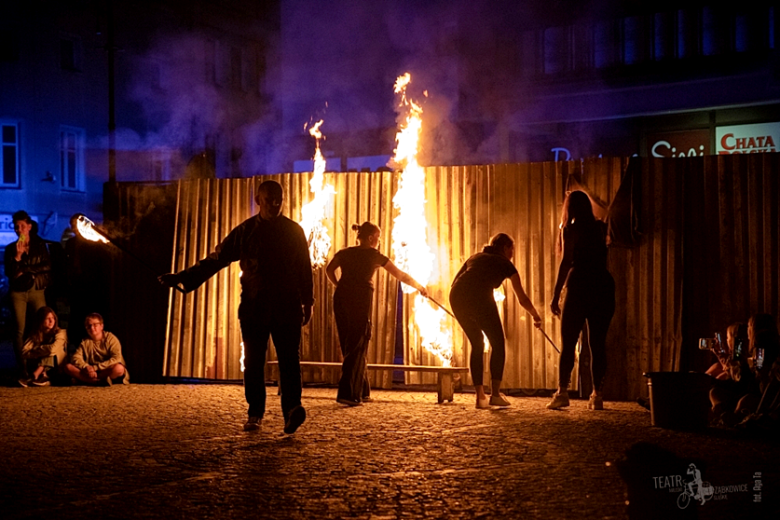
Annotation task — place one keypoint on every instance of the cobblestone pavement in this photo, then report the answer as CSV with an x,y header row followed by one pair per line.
x,y
177,451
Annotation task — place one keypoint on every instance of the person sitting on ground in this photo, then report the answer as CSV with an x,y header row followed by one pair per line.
x,y
764,349
45,350
98,358
750,374
736,334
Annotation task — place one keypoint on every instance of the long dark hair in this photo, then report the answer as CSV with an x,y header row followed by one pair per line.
x,y
39,336
365,230
498,243
577,210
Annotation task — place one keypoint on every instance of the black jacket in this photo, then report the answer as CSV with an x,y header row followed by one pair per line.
x,y
36,263
274,259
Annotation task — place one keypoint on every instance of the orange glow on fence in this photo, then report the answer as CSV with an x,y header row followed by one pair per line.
x,y
498,296
410,246
86,228
313,213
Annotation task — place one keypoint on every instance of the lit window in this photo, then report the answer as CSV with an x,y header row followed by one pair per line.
x,y
9,168
72,158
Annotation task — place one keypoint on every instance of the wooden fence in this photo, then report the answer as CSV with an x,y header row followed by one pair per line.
x,y
708,255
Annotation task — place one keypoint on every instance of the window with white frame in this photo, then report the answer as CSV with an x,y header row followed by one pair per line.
x,y
72,158
9,167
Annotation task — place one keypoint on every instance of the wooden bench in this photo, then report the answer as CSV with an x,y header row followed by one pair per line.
x,y
444,382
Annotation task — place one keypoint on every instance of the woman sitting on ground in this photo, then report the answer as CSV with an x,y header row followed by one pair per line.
x,y
736,335
45,349
749,375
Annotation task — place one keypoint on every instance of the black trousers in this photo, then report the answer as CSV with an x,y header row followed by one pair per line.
x,y
352,311
259,321
475,317
589,297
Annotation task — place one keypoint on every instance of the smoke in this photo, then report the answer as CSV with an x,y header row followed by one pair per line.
x,y
338,60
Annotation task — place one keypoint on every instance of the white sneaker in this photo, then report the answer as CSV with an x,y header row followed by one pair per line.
x,y
596,402
499,400
559,400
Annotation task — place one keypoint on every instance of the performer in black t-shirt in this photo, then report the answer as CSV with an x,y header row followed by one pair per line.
x,y
471,297
590,294
352,307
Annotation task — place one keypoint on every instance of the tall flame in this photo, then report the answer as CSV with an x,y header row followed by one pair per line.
x,y
86,228
410,245
313,213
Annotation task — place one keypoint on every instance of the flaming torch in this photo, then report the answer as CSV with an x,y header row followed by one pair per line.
x,y
87,229
410,246
313,213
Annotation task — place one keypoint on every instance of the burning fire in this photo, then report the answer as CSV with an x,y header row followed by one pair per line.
x,y
313,213
86,228
410,246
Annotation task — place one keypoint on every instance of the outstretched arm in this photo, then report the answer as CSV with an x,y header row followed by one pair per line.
x,y
229,250
391,268
524,300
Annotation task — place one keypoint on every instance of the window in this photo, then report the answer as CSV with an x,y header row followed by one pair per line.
x,y
72,158
9,168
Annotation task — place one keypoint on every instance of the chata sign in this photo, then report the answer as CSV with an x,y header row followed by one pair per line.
x,y
759,138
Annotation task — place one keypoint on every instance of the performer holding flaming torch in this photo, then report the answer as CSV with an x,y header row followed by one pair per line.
x,y
352,307
590,294
276,299
471,297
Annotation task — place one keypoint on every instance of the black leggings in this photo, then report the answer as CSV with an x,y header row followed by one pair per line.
x,y
475,318
590,299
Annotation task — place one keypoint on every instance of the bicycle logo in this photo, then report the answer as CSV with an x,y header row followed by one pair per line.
x,y
696,489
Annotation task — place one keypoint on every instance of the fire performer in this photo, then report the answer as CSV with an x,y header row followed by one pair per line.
x,y
590,294
471,297
276,298
352,307
27,265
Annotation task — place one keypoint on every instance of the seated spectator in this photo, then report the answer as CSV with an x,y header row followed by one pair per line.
x,y
98,359
736,333
44,352
749,376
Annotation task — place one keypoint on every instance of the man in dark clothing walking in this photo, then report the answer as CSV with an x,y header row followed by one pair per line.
x,y
276,298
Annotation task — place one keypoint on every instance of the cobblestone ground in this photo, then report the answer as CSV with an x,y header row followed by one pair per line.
x,y
177,451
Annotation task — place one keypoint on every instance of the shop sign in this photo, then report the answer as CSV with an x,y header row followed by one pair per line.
x,y
739,139
691,143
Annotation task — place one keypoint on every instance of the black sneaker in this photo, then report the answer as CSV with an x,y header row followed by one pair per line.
x,y
295,419
348,402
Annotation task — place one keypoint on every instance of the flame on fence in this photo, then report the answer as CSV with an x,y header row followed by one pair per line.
x,y
410,246
313,213
86,229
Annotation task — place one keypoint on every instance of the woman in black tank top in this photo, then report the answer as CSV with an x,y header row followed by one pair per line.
x,y
352,307
590,294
